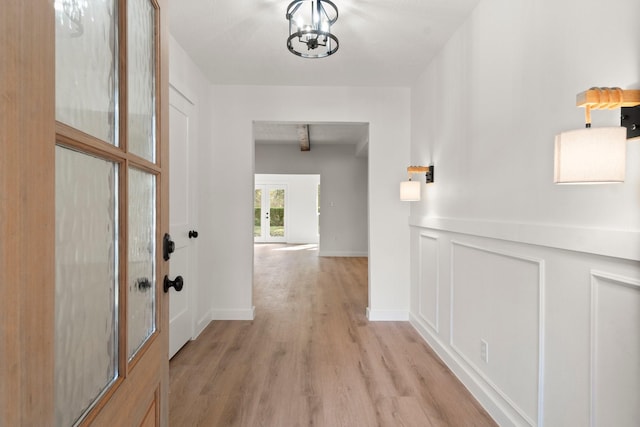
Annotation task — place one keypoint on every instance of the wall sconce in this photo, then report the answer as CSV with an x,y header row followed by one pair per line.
x,y
410,190
598,155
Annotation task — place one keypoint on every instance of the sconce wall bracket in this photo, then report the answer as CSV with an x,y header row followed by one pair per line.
x,y
609,98
630,118
429,172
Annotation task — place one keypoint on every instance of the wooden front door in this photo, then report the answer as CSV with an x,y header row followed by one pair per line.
x,y
83,208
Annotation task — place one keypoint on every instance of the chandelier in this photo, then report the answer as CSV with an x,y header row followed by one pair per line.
x,y
310,24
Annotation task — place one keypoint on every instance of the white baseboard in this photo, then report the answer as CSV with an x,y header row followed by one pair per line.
x,y
498,410
202,324
387,315
343,254
231,314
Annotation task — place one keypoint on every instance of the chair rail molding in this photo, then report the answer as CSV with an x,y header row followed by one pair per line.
x,y
598,241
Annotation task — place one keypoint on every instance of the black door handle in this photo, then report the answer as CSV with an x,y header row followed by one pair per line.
x,y
177,284
193,234
168,247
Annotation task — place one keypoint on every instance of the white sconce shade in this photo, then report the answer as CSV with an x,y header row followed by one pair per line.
x,y
410,191
590,155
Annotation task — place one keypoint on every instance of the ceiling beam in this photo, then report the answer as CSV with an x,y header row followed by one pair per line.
x,y
303,137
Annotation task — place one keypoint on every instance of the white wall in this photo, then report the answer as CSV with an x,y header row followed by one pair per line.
x,y
301,213
548,276
231,175
186,78
343,200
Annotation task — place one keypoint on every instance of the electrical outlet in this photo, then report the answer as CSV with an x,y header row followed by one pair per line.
x,y
484,351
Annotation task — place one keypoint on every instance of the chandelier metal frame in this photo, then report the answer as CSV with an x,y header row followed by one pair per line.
x,y
314,34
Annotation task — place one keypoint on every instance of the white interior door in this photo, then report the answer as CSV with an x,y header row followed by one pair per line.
x,y
182,303
270,216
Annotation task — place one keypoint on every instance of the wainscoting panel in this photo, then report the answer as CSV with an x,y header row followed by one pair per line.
x,y
561,326
429,289
496,321
615,350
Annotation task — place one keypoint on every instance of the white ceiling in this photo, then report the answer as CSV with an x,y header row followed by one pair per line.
x,y
382,43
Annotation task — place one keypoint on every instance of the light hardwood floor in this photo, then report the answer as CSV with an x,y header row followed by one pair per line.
x,y
310,358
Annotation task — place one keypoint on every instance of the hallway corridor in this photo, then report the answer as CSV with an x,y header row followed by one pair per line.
x,y
310,358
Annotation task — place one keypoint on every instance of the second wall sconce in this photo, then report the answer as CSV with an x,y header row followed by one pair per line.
x,y
410,190
598,155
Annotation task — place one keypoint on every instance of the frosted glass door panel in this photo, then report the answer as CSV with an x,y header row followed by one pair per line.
x,y
86,77
86,327
142,248
141,78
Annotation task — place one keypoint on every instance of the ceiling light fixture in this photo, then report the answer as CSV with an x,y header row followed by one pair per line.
x,y
310,24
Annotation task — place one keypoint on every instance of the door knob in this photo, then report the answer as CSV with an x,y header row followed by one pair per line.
x,y
193,234
177,284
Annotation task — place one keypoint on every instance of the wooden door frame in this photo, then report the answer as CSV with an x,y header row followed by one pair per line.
x,y
27,231
27,270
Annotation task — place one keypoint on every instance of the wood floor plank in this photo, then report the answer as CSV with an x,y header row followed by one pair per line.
x,y
311,358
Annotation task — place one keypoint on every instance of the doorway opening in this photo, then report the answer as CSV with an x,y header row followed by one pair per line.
x,y
336,153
